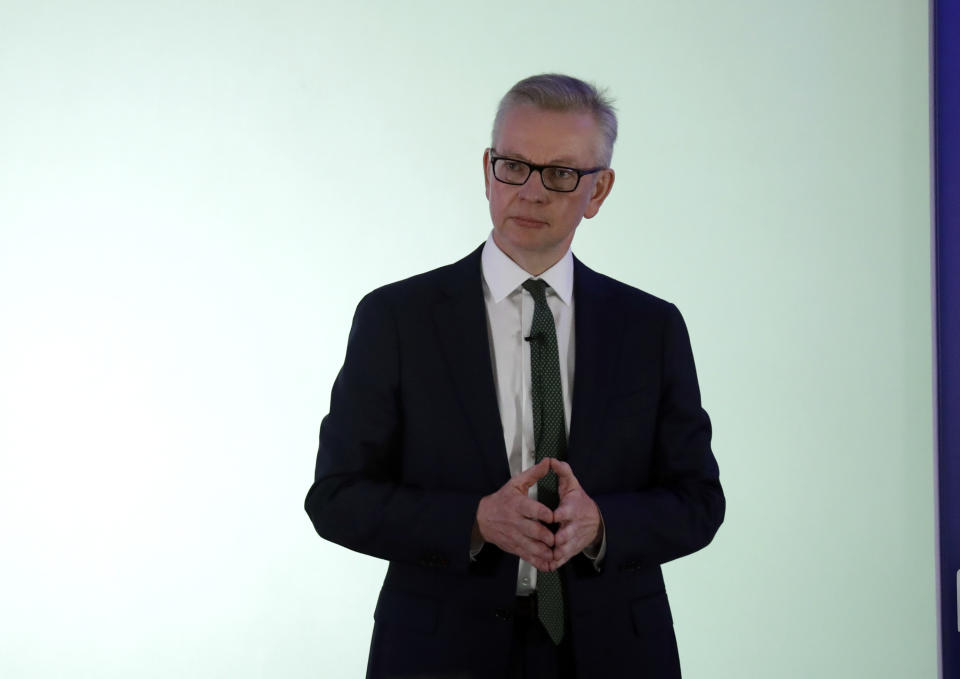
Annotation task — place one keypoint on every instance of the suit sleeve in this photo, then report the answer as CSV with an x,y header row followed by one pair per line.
x,y
357,499
683,508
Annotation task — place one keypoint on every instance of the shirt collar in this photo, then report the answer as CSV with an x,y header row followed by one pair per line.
x,y
502,275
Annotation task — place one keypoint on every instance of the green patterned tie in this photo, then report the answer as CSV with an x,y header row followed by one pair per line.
x,y
550,438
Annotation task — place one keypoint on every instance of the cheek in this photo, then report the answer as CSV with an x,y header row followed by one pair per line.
x,y
583,207
497,203
495,210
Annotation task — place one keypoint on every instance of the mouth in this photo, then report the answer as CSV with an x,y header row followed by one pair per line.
x,y
528,222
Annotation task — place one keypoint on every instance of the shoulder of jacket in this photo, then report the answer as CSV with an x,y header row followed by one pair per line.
x,y
627,294
424,288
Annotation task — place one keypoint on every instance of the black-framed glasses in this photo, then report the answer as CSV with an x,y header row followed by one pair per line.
x,y
554,177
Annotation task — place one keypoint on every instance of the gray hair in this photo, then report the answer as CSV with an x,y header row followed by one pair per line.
x,y
557,92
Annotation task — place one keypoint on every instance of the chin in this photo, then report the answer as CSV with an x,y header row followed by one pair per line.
x,y
528,239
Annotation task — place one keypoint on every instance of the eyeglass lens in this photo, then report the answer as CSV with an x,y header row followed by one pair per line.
x,y
516,172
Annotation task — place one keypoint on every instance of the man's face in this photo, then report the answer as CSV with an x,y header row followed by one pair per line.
x,y
532,224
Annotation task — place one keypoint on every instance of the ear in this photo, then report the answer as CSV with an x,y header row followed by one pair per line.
x,y
486,172
601,189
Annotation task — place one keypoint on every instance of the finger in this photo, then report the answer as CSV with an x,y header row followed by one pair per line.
x,y
573,541
537,531
566,481
563,554
542,564
535,552
560,467
564,513
559,558
561,537
525,479
571,508
532,509
525,529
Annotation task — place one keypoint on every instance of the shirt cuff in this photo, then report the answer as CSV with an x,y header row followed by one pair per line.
x,y
596,554
476,542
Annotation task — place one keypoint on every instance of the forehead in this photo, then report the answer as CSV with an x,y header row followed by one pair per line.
x,y
549,137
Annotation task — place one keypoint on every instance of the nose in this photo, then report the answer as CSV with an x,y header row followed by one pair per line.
x,y
533,189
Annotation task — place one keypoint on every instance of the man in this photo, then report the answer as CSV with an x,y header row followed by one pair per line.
x,y
516,550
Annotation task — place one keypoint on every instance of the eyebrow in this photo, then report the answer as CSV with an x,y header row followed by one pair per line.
x,y
563,161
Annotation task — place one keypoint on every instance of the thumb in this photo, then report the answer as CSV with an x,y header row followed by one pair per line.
x,y
565,478
525,480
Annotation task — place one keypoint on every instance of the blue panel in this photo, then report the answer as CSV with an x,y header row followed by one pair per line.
x,y
947,204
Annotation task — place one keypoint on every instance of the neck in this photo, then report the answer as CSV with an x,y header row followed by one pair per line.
x,y
534,263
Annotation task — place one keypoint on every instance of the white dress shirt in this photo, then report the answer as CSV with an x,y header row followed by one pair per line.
x,y
509,316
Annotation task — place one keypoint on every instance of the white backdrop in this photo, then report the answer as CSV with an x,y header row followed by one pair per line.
x,y
194,196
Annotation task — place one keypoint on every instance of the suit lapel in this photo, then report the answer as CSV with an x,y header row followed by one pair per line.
x,y
598,341
461,321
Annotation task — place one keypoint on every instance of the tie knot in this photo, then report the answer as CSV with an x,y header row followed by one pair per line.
x,y
537,288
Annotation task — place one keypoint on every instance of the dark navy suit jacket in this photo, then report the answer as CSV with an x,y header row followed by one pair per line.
x,y
413,440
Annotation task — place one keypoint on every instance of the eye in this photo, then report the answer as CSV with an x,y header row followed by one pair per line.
x,y
512,165
562,173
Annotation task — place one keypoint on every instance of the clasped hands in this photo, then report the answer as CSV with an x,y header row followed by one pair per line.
x,y
517,524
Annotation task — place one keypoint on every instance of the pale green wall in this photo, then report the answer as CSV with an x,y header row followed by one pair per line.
x,y
194,196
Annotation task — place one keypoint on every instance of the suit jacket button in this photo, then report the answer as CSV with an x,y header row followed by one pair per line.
x,y
503,614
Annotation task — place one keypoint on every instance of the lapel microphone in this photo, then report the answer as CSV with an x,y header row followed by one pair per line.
x,y
534,337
